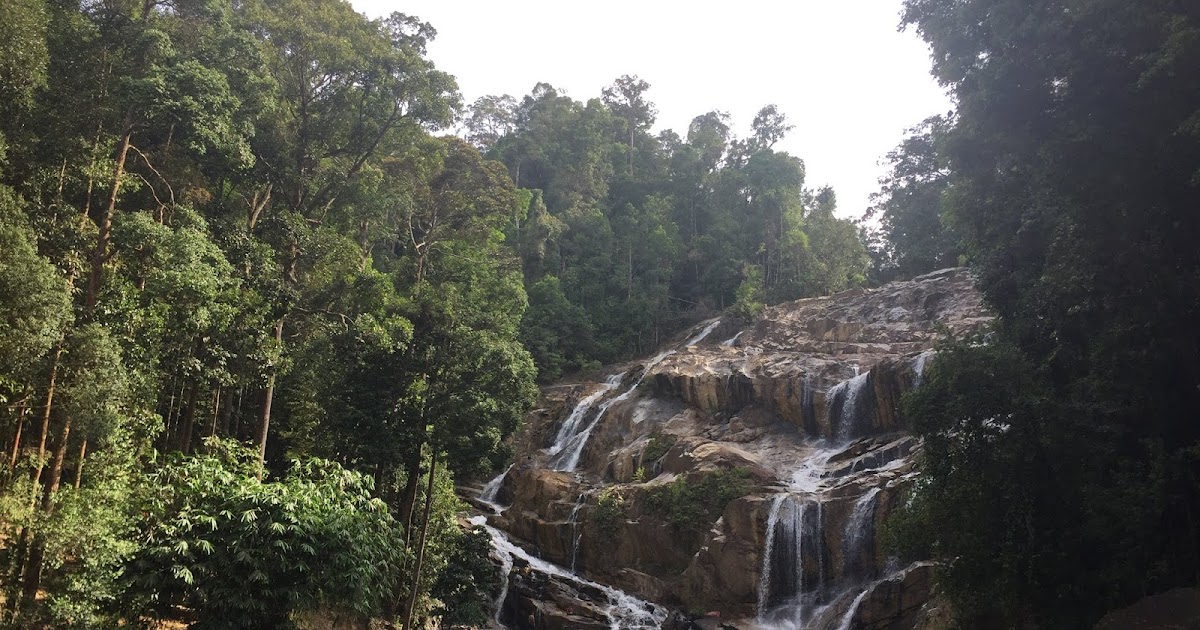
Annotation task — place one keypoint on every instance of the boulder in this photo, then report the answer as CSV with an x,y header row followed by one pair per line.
x,y
1177,609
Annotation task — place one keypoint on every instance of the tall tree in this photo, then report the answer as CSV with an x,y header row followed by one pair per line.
x,y
1073,185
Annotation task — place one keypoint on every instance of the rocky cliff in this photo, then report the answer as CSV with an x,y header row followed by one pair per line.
x,y
739,473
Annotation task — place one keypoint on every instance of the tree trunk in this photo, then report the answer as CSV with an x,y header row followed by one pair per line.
x,y
408,500
105,224
216,409
189,421
33,572
79,464
37,475
416,581
264,420
16,448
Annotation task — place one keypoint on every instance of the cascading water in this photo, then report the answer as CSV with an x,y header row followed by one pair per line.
x,y
492,490
798,587
919,367
732,340
570,426
848,618
624,612
860,534
847,405
573,521
787,591
566,456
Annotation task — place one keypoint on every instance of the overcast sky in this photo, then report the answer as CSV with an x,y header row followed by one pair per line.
x,y
839,69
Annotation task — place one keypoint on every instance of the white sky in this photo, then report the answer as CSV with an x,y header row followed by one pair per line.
x,y
839,70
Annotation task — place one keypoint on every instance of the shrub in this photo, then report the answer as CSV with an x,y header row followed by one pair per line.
x,y
610,511
693,502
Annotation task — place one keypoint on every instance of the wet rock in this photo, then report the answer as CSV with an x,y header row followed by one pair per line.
x,y
1177,609
895,603
831,368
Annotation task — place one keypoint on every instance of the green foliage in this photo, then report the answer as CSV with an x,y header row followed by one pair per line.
x,y
911,237
656,448
980,411
610,512
748,305
691,503
1071,186
242,552
34,298
23,54
466,587
644,235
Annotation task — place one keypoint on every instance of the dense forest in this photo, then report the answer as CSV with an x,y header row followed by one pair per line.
x,y
261,310
269,289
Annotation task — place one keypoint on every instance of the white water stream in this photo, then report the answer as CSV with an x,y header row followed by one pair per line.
x,y
624,611
570,441
492,490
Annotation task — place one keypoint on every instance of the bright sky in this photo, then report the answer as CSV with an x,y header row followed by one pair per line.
x,y
849,82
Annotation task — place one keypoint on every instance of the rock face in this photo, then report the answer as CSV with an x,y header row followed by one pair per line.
x,y
797,414
1177,609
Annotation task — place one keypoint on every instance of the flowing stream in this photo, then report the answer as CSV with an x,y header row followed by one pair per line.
x,y
624,611
492,490
573,521
796,590
570,441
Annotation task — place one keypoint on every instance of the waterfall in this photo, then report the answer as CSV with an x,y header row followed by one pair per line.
x,y
624,611
492,489
764,576
847,406
704,333
568,449
573,521
569,453
795,532
570,426
919,367
860,534
848,618
732,340
788,590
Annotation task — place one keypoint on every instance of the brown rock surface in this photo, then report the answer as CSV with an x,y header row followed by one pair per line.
x,y
1177,609
759,405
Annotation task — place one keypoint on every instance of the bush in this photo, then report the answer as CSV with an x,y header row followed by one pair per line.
x,y
691,503
247,553
656,448
609,513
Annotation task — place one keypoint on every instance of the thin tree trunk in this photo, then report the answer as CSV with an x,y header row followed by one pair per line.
x,y
37,475
264,421
79,464
416,581
16,448
101,251
189,420
33,572
216,408
408,500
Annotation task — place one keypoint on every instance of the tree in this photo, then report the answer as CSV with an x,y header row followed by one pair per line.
x,y
1072,187
912,238
490,118
625,98
242,552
